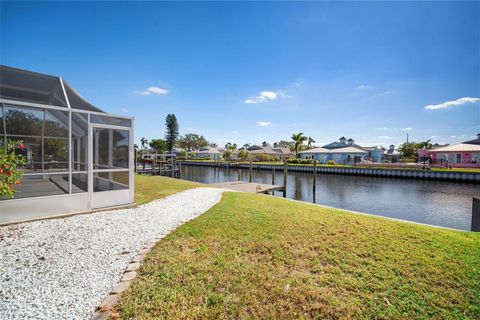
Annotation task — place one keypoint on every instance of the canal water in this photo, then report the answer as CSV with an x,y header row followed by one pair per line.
x,y
446,204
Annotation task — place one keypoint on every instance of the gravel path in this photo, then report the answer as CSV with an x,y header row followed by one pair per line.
x,y
63,268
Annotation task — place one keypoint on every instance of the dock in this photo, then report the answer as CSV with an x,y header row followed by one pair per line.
x,y
250,187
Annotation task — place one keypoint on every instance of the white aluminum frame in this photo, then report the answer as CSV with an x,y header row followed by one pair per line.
x,y
76,201
115,197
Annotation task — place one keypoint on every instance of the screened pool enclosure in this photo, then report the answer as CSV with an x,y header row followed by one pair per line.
x,y
77,156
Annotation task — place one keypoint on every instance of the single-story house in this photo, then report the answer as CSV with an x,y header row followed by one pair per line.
x,y
462,155
279,153
209,152
339,155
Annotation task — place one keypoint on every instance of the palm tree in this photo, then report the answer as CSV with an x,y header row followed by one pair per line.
x,y
425,145
298,139
144,142
310,142
135,151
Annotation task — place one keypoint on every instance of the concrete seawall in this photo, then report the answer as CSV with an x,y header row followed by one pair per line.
x,y
376,172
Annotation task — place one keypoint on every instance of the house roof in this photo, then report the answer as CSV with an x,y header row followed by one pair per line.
x,y
210,150
269,150
474,141
459,147
316,150
348,149
336,145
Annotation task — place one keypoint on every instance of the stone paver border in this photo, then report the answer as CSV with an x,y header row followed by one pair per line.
x,y
104,310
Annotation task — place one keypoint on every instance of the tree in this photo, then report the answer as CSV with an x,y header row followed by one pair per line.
x,y
427,145
298,140
227,154
246,146
231,146
144,142
408,149
310,142
158,145
171,133
243,154
265,144
285,144
212,145
192,141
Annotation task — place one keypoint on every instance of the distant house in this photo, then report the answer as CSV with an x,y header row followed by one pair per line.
x,y
343,151
392,154
339,155
209,152
279,153
465,154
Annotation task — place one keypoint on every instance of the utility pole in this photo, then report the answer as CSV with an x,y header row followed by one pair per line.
x,y
407,137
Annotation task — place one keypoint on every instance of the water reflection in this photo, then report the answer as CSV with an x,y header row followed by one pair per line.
x,y
447,204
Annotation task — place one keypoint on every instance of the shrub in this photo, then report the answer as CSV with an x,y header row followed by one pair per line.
x,y
11,160
243,154
405,160
263,157
331,162
293,160
306,161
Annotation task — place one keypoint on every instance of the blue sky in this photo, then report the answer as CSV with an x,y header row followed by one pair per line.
x,y
249,72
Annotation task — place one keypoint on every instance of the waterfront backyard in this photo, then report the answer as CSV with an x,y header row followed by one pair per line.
x,y
254,256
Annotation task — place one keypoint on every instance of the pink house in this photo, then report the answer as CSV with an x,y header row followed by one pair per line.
x,y
460,155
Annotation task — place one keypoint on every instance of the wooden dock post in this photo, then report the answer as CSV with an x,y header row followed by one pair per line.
x,y
180,170
314,181
285,172
476,214
238,173
273,174
174,167
135,159
250,172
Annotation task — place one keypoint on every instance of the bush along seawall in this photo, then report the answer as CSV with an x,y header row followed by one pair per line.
x,y
361,171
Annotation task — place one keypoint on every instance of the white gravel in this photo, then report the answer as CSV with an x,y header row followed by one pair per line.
x,y
63,268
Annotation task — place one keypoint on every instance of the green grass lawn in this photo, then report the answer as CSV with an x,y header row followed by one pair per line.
x,y
254,256
149,188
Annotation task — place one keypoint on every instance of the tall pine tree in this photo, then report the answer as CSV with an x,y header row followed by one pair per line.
x,y
171,133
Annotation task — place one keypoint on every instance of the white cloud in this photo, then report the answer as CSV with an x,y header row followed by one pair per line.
x,y
453,136
453,103
235,132
363,87
381,128
407,129
125,110
153,90
266,96
384,137
433,137
264,123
